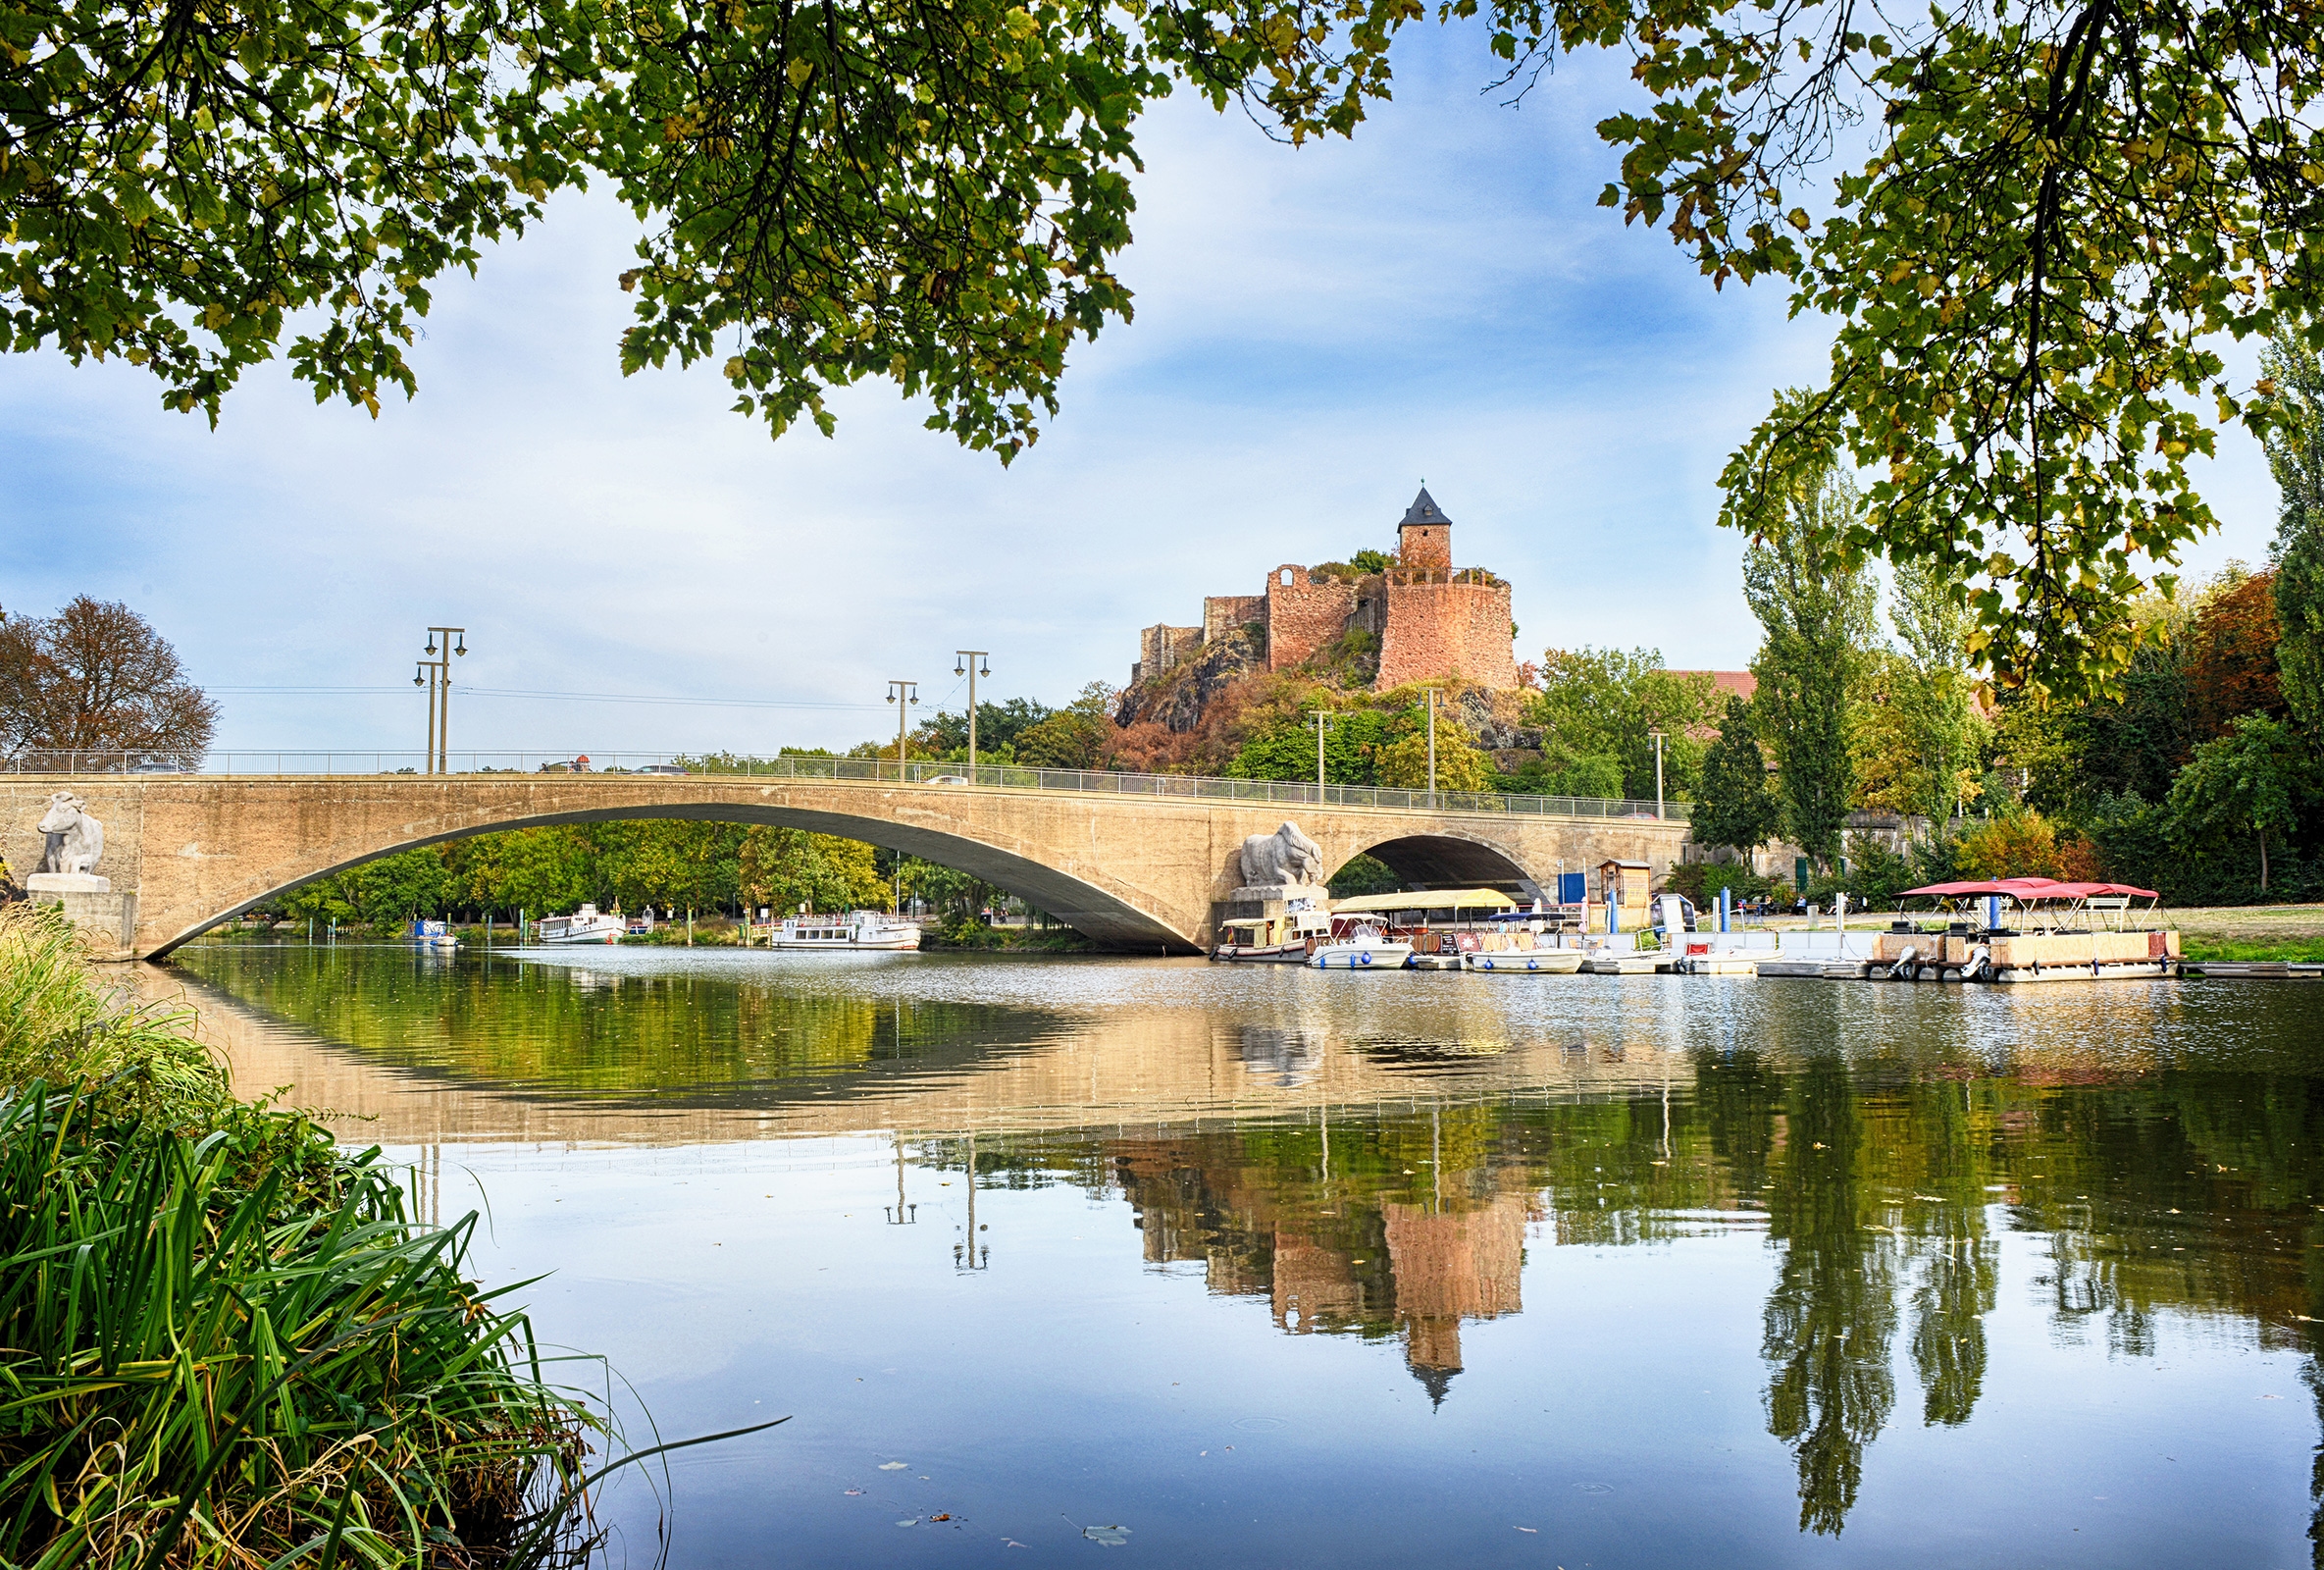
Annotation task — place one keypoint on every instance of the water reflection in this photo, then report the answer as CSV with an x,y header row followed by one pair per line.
x,y
1396,1165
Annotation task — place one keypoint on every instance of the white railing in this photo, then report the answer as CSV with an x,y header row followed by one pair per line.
x,y
863,770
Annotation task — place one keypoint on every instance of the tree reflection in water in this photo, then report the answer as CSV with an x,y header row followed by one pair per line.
x,y
2168,1178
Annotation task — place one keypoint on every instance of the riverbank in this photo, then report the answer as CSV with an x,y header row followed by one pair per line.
x,y
224,1342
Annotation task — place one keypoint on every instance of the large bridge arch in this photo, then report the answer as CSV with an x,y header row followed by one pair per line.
x,y
1106,916
1146,867
1455,860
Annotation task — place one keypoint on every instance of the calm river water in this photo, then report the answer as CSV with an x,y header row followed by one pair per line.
x,y
1218,1266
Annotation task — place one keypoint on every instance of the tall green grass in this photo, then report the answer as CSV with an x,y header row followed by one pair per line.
x,y
224,1342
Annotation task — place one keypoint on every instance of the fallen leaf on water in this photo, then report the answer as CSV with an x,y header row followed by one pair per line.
x,y
945,1517
1533,1530
913,1522
854,1490
1010,1543
1107,1537
894,1466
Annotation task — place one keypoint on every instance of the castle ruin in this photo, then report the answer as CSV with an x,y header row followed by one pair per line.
x,y
1426,620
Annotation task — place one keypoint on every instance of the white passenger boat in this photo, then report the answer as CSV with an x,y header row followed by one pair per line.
x,y
1286,937
1525,961
585,926
1364,948
858,930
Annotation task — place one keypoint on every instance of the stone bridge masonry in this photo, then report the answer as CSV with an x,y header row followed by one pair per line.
x,y
1139,874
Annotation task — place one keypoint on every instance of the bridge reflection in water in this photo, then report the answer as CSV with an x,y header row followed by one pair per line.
x,y
1395,1161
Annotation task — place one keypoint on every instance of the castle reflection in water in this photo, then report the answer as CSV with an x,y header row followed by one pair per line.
x,y
1375,1162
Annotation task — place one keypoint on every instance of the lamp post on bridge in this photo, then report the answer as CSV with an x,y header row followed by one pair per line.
x,y
437,674
969,659
1432,748
1323,718
904,694
1656,735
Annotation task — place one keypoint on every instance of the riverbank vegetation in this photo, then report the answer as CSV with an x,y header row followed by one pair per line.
x,y
224,1342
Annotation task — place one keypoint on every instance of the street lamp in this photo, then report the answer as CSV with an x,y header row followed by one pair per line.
x,y
1656,735
438,678
1432,748
969,659
1323,718
903,695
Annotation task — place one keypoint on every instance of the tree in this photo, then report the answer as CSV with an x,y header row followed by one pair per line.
x,y
2013,844
96,677
1404,761
1603,704
2248,781
2296,457
1817,623
1930,616
784,868
1735,805
2230,659
1066,739
1286,749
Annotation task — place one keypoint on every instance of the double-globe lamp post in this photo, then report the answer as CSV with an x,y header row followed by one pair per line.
x,y
436,675
968,662
904,694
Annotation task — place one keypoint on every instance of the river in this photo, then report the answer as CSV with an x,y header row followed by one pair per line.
x,y
1255,1266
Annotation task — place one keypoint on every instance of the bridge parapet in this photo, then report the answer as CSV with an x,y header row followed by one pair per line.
x,y
850,770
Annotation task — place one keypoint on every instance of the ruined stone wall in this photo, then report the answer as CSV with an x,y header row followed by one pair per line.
x,y
1302,615
1161,646
1226,614
1447,629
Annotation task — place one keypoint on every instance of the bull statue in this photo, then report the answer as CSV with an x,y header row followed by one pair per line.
x,y
74,840
1285,857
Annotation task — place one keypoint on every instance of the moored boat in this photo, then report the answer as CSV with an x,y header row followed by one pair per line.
x,y
585,926
854,930
1282,938
1523,962
426,934
1364,946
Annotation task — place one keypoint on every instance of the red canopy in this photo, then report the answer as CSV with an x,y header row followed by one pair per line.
x,y
2029,888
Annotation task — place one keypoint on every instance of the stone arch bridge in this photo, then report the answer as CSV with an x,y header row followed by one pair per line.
x,y
1137,863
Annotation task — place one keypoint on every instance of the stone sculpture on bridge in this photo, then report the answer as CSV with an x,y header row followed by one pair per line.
x,y
1285,857
74,842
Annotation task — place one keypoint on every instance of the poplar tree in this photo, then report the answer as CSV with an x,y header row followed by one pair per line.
x,y
2296,457
1736,808
1817,622
1930,616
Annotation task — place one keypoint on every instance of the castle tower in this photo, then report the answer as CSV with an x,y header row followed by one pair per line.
x,y
1425,539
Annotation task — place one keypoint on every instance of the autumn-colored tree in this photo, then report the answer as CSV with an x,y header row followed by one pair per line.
x,y
2020,844
2230,655
97,678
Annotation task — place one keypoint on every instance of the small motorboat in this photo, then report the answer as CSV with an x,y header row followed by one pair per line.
x,y
1525,961
585,926
1364,946
858,930
426,934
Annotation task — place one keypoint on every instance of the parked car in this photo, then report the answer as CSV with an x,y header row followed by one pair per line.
x,y
658,768
949,779
160,766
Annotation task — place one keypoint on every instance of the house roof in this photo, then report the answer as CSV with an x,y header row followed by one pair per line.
x,y
1424,510
1742,682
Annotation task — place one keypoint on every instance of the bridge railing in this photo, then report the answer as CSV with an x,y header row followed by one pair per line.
x,y
864,770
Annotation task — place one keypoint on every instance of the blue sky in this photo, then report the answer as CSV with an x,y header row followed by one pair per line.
x,y
1318,330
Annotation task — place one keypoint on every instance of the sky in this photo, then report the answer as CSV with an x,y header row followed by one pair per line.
x,y
1317,331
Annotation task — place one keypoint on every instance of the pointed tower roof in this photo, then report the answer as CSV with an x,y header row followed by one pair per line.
x,y
1424,510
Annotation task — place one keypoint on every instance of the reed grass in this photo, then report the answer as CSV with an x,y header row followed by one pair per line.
x,y
223,1342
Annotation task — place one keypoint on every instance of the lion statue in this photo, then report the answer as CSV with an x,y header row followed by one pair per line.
x,y
74,840
1283,858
